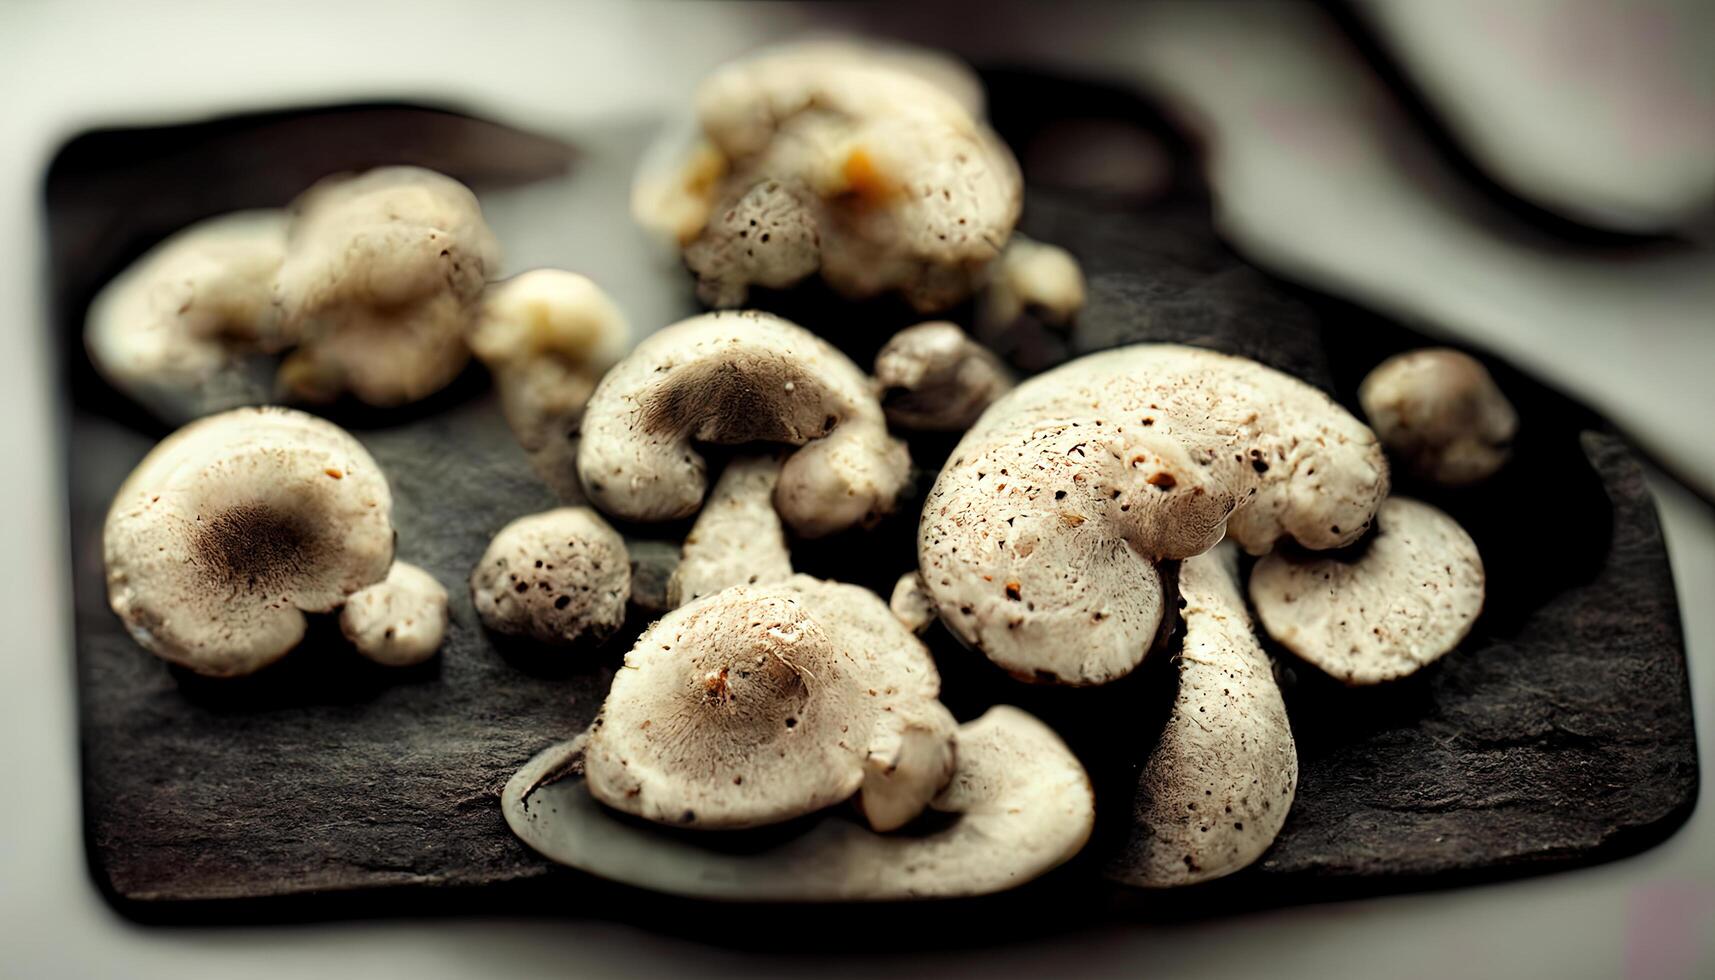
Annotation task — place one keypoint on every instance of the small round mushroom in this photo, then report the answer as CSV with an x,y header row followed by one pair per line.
x,y
382,274
935,378
398,621
560,577
1039,540
737,539
1032,278
730,379
1019,804
1440,413
189,328
1216,788
235,526
1408,599
911,603
759,704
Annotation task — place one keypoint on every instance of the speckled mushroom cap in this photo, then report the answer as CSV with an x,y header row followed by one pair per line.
x,y
737,539
235,526
734,378
1404,602
1039,539
187,328
382,273
398,621
1216,788
560,577
935,378
1441,414
759,704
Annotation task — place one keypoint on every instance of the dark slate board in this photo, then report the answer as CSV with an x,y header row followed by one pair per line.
x,y
1560,734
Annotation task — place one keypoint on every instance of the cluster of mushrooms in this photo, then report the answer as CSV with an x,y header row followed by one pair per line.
x,y
1085,513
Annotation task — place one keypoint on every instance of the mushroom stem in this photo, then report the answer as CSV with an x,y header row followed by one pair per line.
x,y
737,539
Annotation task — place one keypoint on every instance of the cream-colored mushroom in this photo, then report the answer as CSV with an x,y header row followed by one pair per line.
x,y
1039,540
398,621
935,378
1404,602
1440,413
737,539
911,603
1032,278
559,577
235,526
735,378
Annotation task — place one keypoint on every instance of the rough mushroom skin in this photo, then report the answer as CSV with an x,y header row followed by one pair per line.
x,y
1440,413
734,378
560,577
1404,602
381,277
759,704
911,603
935,378
737,539
1032,278
1019,804
188,328
1216,788
398,621
235,526
1039,539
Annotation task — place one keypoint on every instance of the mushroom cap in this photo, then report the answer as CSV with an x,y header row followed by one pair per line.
x,y
935,378
1440,412
186,329
398,621
1216,788
1019,801
235,526
759,704
1031,277
1405,601
1039,539
733,378
737,539
911,603
381,275
560,577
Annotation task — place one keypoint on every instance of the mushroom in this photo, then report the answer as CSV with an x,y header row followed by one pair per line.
x,y
234,527
935,378
911,603
873,169
1032,278
559,577
653,562
189,328
737,539
1019,805
398,621
1216,788
759,704
729,379
1439,411
1408,598
1039,540
382,274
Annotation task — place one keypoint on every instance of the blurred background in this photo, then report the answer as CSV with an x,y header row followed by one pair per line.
x,y
1533,179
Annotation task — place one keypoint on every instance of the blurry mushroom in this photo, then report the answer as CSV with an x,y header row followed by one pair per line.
x,y
189,328
911,603
1408,598
1039,540
1217,786
935,378
235,526
737,539
730,379
559,577
381,278
1032,279
398,621
653,562
1441,414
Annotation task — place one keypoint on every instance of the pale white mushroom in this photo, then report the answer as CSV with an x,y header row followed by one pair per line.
x,y
1441,414
1032,278
559,577
911,603
935,378
1404,602
235,526
1039,540
189,328
737,539
382,274
1216,788
735,378
1019,805
398,621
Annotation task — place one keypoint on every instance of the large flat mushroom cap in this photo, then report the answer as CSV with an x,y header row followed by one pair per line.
x,y
1403,603
1019,805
